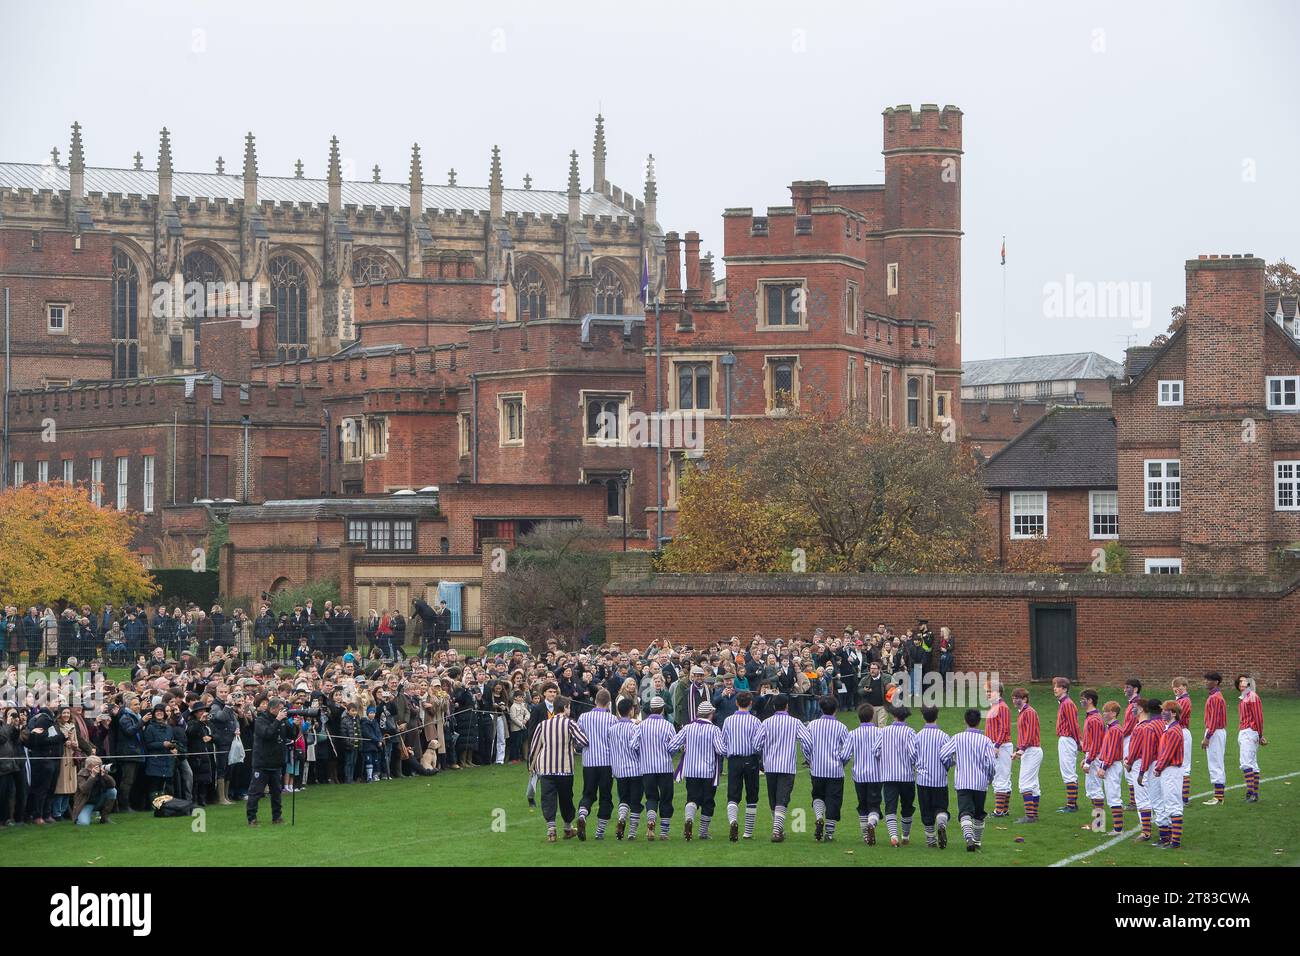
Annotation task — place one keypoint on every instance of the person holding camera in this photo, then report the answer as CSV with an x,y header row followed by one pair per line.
x,y
96,790
272,735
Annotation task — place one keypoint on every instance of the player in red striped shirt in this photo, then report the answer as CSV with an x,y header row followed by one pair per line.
x,y
1145,745
1169,773
1184,702
997,727
1094,729
1109,765
1216,733
1250,735
1029,751
1067,743
1133,714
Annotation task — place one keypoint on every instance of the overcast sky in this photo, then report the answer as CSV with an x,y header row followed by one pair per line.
x,y
1108,142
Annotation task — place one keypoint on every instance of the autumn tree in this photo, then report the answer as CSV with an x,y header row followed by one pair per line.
x,y
854,496
554,585
59,545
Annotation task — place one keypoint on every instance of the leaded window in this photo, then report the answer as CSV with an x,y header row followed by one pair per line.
x,y
289,296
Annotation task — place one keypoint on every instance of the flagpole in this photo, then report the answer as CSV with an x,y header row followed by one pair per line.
x,y
1004,296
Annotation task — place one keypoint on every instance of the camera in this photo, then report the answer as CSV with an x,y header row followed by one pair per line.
x,y
311,713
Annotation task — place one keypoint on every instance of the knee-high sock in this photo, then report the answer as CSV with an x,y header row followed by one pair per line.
x,y
930,838
664,824
979,831
704,826
690,812
968,829
778,820
582,812
1031,805
632,823
830,828
891,821
751,816
1132,797
941,820
622,811
1145,817
1176,828
863,823
601,823
733,812
1117,819
907,827
819,809
1218,791
1072,794
1001,802
1187,788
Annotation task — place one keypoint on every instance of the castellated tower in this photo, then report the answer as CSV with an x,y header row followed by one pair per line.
x,y
922,231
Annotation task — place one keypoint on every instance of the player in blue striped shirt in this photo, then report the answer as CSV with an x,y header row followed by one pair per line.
x,y
657,733
826,763
975,758
932,779
702,747
597,778
625,763
898,774
776,740
863,747
738,733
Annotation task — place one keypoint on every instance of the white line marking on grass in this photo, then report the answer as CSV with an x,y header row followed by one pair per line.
x,y
1129,834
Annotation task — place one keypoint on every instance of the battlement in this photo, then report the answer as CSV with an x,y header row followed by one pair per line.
x,y
928,128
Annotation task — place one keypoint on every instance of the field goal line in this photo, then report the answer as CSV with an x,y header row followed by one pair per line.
x,y
1129,834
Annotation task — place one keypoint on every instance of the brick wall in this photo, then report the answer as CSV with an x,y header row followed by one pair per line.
x,y
1152,628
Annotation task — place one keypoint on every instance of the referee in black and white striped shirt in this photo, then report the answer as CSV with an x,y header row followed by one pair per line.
x,y
550,756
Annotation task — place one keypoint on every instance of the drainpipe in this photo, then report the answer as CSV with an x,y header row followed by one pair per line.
x,y
473,427
207,452
246,421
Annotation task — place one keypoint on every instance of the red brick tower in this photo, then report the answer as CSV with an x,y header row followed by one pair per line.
x,y
921,270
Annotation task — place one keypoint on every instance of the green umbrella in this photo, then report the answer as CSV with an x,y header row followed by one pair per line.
x,y
507,644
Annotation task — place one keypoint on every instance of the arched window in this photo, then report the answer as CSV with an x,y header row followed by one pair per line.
x,y
369,268
913,403
532,294
289,296
609,292
125,320
202,268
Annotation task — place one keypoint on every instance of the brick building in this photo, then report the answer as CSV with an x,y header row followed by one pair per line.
x,y
1001,398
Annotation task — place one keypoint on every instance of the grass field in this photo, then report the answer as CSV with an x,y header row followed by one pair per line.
x,y
478,817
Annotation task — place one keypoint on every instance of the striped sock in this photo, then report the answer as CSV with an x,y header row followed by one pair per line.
x,y
632,823
979,831
1072,794
622,812
830,828
778,821
601,823
1187,788
907,828
968,829
930,839
1117,819
1002,802
650,817
1218,791
733,812
582,812
863,823
751,815
704,826
690,813
873,818
1031,806
1145,816
891,821
819,809
1176,829
1098,803
1132,798
1252,782
664,823
1164,834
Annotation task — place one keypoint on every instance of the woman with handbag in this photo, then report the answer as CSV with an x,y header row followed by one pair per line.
x,y
75,749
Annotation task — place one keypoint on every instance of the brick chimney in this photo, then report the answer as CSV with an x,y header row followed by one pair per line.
x,y
673,254
228,348
706,277
692,284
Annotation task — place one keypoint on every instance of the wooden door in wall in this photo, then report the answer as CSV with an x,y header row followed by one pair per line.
x,y
1053,646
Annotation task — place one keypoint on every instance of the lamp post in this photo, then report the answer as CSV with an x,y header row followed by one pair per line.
x,y
623,478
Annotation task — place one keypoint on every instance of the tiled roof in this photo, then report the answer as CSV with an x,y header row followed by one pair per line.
x,y
144,182
420,505
1039,368
1072,446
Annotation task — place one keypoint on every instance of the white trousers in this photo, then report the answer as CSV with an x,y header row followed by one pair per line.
x,y
1114,784
1067,755
1214,756
1093,787
1002,770
1142,792
1187,752
1129,775
1159,787
1248,744
1030,763
1171,786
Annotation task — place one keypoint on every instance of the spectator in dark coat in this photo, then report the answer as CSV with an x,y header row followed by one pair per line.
x,y
160,749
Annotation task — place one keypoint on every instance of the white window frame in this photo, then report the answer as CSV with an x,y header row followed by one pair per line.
x,y
122,488
354,439
97,481
464,430
1014,513
851,308
503,439
1093,515
1165,389
1291,482
67,471
43,472
624,402
1283,381
64,309
147,467
1162,566
18,474
798,282
891,279
1164,480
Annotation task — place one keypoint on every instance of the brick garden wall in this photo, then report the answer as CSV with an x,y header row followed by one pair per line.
x,y
1152,628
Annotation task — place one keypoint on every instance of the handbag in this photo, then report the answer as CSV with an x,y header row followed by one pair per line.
x,y
236,751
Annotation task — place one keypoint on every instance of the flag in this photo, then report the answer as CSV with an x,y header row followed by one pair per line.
x,y
645,277
1004,250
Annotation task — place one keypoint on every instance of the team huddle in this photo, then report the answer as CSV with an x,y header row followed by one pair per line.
x,y
896,769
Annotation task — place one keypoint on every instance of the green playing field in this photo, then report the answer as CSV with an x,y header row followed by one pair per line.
x,y
479,817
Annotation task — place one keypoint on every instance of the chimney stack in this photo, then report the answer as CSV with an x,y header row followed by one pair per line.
x,y
673,253
692,284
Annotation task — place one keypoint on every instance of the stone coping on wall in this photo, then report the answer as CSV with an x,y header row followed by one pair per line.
x,y
637,580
